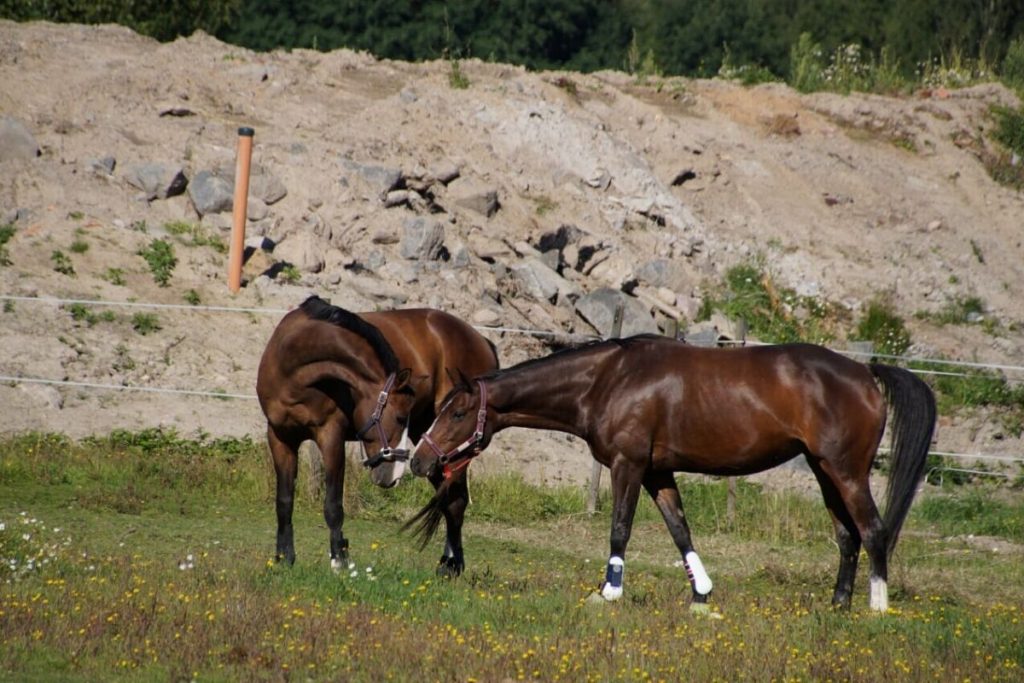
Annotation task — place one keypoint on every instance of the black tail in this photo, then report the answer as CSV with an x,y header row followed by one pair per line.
x,y
913,423
429,518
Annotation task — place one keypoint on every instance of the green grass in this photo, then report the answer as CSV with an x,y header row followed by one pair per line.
x,y
150,561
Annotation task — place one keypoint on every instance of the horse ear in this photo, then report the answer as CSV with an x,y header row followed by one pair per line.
x,y
466,381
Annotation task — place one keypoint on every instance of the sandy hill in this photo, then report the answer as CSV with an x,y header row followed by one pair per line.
x,y
509,202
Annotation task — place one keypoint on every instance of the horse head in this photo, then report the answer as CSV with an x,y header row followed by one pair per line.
x,y
384,436
458,434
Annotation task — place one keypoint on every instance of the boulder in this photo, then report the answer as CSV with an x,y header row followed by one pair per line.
x,y
598,309
157,180
211,193
542,282
422,239
380,179
303,250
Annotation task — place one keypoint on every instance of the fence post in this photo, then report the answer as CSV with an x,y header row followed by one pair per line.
x,y
595,468
241,200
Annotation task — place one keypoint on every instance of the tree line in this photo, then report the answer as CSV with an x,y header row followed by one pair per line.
x,y
675,37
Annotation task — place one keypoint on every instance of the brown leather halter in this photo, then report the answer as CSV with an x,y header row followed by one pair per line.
x,y
385,454
468,449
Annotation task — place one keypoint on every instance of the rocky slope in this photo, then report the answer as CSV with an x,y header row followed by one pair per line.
x,y
525,200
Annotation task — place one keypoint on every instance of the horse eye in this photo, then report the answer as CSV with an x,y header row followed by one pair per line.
x,y
458,414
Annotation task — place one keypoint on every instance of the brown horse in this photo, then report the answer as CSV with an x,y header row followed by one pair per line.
x,y
649,406
334,376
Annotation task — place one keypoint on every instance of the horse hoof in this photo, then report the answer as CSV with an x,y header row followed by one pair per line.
x,y
610,592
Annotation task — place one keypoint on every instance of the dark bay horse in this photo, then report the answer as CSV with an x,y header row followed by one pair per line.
x,y
334,376
649,407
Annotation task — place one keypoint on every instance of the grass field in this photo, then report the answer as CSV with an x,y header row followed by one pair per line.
x,y
146,557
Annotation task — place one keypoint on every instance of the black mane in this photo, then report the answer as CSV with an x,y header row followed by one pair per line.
x,y
318,309
616,341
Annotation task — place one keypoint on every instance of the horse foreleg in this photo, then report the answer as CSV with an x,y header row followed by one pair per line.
x,y
453,562
286,463
332,447
626,478
661,486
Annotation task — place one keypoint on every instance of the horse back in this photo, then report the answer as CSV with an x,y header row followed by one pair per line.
x,y
435,345
760,405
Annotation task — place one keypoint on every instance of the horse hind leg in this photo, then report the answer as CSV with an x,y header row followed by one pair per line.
x,y
855,509
284,452
847,537
661,486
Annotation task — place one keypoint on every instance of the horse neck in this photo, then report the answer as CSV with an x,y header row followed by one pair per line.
x,y
544,395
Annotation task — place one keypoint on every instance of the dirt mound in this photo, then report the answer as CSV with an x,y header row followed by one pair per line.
x,y
507,202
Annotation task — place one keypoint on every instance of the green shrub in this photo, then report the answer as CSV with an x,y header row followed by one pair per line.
x,y
61,263
145,323
884,328
772,313
6,233
161,259
805,65
1012,71
114,276
1009,130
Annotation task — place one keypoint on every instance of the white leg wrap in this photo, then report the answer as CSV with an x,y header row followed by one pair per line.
x,y
879,594
612,588
336,565
701,580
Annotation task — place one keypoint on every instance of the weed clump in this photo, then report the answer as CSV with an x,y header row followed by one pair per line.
x,y
161,259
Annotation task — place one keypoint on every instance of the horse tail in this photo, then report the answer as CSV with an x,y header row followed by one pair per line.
x,y
427,520
913,423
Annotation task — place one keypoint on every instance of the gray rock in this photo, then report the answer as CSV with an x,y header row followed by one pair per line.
x,y
157,180
255,210
375,260
16,140
380,178
485,203
459,256
422,239
303,250
541,282
664,273
376,289
445,172
211,193
267,187
488,248
403,272
598,309
104,166
486,316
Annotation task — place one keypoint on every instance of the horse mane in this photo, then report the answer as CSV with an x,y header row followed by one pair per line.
x,y
318,309
622,342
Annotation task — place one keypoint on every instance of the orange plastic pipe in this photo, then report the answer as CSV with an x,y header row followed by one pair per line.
x,y
239,206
